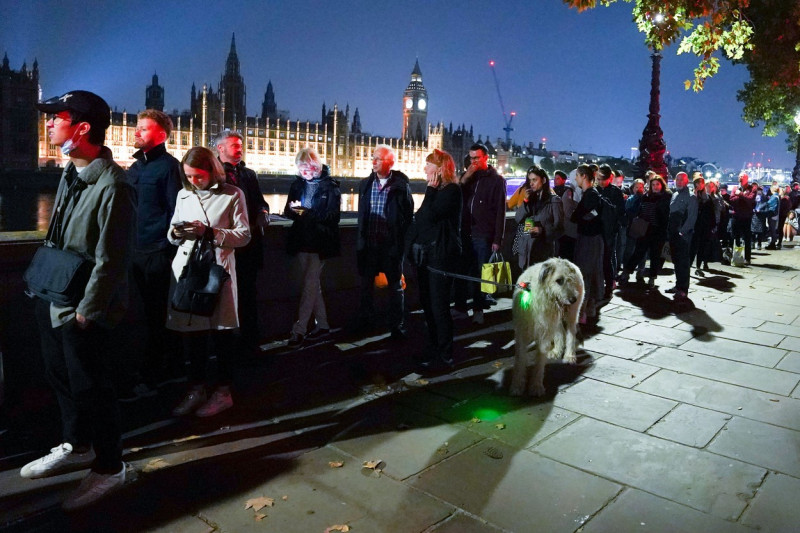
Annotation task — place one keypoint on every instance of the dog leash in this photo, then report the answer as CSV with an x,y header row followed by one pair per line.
x,y
524,286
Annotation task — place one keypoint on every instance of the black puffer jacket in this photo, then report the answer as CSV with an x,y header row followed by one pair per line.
x,y
317,229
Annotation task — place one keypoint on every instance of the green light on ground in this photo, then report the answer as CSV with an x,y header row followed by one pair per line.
x,y
487,415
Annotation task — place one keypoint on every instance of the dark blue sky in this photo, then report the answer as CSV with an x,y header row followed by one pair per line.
x,y
580,80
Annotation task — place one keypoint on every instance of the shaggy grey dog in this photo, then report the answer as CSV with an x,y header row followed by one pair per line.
x,y
545,312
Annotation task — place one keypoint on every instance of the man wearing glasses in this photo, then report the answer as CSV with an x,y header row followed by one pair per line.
x,y
483,223
385,211
95,216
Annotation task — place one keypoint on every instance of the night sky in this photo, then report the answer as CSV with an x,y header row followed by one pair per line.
x,y
580,80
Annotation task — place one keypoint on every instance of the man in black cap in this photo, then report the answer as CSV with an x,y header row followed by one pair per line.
x,y
94,216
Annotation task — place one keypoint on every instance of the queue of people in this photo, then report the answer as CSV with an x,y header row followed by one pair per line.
x,y
147,225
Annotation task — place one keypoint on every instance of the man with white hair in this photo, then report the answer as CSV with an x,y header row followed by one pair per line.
x,y
249,258
385,211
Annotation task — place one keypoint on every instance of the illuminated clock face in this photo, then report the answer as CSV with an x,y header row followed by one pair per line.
x,y
421,103
409,103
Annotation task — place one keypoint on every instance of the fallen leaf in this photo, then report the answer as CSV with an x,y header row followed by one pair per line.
x,y
341,527
500,426
773,400
475,420
155,464
285,498
633,375
258,503
498,364
423,381
336,464
260,517
778,314
639,343
372,465
493,452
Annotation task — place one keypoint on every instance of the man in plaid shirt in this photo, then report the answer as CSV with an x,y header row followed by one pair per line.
x,y
385,210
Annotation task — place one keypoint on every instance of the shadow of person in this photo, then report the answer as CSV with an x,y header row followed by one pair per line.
x,y
719,283
464,440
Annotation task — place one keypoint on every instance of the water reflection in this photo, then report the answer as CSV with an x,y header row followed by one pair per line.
x,y
25,210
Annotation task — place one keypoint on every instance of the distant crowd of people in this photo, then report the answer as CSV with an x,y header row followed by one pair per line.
x,y
139,230
609,229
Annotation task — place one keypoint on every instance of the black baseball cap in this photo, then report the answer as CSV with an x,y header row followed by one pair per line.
x,y
87,106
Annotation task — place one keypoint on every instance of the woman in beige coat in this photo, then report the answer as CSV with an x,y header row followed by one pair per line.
x,y
206,203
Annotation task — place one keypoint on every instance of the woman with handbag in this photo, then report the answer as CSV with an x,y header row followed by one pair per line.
x,y
654,211
207,207
435,240
541,216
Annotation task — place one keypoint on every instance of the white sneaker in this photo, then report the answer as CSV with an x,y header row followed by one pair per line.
x,y
60,460
193,399
477,317
93,487
219,401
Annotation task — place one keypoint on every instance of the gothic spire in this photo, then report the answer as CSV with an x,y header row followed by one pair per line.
x,y
232,64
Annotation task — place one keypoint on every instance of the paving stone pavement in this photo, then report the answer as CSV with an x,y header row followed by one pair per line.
x,y
676,419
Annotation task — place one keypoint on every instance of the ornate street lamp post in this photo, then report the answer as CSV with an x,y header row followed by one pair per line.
x,y
652,145
796,170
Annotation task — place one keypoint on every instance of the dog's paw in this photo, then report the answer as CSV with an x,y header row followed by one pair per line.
x,y
516,390
571,359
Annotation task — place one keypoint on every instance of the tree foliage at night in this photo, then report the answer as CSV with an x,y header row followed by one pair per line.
x,y
764,35
704,27
772,95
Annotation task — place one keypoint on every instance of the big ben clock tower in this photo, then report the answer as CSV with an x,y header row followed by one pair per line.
x,y
415,108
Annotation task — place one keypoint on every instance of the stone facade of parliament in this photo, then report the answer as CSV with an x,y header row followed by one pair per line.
x,y
271,138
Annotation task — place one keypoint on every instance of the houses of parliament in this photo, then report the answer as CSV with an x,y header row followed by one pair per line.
x,y
271,138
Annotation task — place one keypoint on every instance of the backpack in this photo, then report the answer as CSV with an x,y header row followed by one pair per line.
x,y
609,218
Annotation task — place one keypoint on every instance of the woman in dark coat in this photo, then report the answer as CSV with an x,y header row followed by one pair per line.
x,y
589,246
435,241
542,215
313,206
655,210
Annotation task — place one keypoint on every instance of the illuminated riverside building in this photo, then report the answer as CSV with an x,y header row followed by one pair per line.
x,y
271,141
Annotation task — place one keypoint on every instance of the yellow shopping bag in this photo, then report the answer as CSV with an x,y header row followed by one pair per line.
x,y
495,270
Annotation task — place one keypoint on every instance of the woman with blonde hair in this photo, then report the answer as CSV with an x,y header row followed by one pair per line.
x,y
435,242
207,206
313,206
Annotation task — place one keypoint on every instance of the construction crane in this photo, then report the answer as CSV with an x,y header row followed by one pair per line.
x,y
507,119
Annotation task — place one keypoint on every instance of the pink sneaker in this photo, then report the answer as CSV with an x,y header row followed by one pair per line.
x,y
219,401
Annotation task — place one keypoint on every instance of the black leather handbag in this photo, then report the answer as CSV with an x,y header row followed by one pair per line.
x,y
198,288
